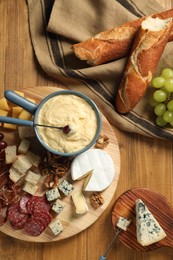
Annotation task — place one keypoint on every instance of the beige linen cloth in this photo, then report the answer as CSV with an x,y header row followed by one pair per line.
x,y
56,25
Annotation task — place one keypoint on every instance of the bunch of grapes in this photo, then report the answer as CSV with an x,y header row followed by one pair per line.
x,y
162,99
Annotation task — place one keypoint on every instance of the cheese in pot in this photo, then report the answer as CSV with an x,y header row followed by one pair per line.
x,y
71,110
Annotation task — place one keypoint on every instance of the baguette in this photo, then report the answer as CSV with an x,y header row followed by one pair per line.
x,y
147,49
114,43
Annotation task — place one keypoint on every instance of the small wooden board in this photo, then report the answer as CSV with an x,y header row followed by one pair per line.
x,y
159,207
72,223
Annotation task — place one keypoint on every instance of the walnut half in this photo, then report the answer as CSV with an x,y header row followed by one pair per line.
x,y
102,142
96,200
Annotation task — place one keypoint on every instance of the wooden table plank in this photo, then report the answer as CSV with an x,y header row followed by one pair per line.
x,y
145,162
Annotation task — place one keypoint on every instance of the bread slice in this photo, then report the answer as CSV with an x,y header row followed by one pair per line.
x,y
22,163
33,158
25,132
32,177
24,146
15,175
30,188
10,154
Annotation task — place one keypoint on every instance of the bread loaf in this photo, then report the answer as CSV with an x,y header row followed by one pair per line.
x,y
114,43
147,49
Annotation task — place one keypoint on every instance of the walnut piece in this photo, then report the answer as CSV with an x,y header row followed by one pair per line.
x,y
102,142
96,200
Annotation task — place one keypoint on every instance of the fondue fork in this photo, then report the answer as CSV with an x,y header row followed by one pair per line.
x,y
66,129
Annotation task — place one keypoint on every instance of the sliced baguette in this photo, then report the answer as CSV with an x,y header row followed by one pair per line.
x,y
146,52
114,43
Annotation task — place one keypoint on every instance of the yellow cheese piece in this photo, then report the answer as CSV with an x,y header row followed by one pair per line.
x,y
9,126
79,202
4,104
32,100
16,111
19,93
25,115
3,112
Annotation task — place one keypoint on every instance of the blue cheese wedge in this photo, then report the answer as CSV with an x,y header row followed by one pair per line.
x,y
97,165
56,227
123,223
149,230
79,202
58,206
66,187
53,194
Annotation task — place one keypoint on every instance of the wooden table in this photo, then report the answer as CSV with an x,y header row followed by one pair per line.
x,y
145,162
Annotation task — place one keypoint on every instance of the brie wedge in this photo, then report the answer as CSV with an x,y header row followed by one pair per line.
x,y
99,166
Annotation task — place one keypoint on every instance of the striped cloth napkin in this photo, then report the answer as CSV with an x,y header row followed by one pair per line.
x,y
56,25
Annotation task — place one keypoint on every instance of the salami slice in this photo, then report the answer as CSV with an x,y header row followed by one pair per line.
x,y
33,227
45,217
23,204
16,218
37,202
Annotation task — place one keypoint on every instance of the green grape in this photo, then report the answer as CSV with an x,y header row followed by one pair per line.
x,y
153,102
160,121
160,109
168,116
167,73
159,95
169,85
170,106
158,82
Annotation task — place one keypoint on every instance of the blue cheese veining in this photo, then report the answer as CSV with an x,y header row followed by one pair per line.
x,y
123,223
149,230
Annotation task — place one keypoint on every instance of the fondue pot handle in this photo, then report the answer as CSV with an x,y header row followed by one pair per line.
x,y
16,121
20,101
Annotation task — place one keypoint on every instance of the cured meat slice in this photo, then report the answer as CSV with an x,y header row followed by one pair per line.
x,y
23,204
33,227
45,216
38,202
16,218
3,215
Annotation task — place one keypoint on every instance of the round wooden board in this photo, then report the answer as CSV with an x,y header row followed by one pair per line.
x,y
73,224
159,207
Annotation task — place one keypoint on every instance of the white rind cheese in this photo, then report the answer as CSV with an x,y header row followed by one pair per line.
x,y
123,223
97,162
79,202
148,229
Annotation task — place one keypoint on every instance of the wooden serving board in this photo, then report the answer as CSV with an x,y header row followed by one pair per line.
x,y
159,207
72,223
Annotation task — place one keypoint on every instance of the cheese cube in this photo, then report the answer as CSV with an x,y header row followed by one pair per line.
x,y
16,111
25,115
30,188
66,187
26,132
33,158
24,146
58,206
22,164
9,126
32,177
15,175
19,93
4,104
56,227
3,112
53,194
123,223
